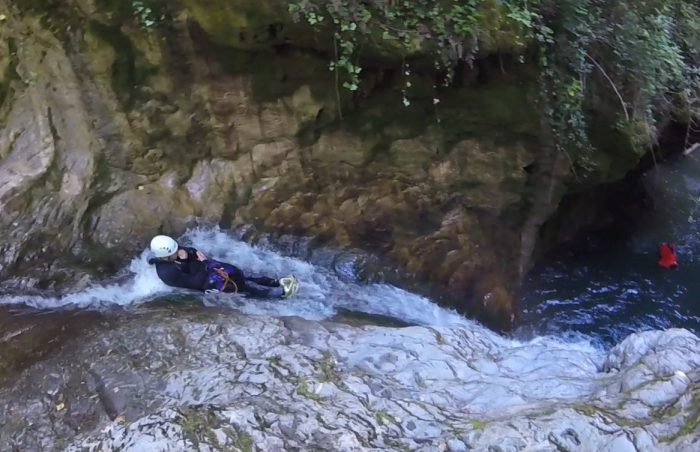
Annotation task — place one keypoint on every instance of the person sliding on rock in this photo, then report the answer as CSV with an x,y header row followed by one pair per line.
x,y
667,256
189,268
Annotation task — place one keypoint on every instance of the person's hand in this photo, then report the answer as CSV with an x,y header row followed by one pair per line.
x,y
182,254
201,257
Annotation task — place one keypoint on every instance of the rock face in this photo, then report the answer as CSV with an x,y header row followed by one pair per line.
x,y
26,338
194,380
118,122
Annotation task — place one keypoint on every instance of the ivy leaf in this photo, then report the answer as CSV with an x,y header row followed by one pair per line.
x,y
350,86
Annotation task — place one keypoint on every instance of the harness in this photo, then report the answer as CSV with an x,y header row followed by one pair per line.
x,y
227,280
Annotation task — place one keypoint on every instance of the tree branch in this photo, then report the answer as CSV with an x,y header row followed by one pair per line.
x,y
607,77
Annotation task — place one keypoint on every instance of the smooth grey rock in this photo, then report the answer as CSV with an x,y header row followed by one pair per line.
x,y
214,380
455,445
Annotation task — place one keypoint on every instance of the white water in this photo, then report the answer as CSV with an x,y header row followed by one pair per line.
x,y
320,296
423,385
465,368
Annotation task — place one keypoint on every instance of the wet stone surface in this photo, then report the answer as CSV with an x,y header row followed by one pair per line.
x,y
211,379
26,335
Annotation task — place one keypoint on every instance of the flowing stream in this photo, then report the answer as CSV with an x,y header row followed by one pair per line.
x,y
324,292
597,294
447,380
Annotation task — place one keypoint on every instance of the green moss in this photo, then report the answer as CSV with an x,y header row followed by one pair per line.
x,y
304,390
241,440
275,360
242,24
499,110
396,444
41,6
502,109
123,9
129,70
613,153
479,425
123,68
10,73
497,31
666,412
5,373
55,15
586,410
385,418
276,73
198,424
690,424
327,369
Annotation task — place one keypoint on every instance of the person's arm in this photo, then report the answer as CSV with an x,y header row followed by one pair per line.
x,y
188,255
184,258
172,274
193,254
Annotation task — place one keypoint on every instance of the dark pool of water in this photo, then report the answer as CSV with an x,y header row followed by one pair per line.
x,y
609,293
611,286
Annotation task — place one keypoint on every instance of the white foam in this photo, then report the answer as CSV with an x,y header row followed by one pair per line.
x,y
322,294
144,285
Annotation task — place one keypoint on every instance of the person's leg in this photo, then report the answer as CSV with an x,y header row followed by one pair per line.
x,y
267,287
237,282
224,277
263,281
259,291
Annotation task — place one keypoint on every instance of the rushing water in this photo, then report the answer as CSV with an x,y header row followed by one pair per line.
x,y
610,287
324,292
600,292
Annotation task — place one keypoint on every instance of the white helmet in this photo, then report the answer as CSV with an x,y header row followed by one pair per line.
x,y
163,246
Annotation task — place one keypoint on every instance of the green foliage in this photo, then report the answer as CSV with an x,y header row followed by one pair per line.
x,y
144,14
147,13
403,25
643,54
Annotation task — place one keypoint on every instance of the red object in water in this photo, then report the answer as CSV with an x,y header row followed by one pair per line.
x,y
667,256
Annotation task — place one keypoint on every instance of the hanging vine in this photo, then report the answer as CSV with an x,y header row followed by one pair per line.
x,y
646,52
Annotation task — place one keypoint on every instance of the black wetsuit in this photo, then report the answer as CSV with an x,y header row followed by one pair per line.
x,y
190,273
185,273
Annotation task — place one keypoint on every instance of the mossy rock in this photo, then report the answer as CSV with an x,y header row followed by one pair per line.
x,y
502,111
5,67
500,33
248,24
159,208
129,68
8,62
